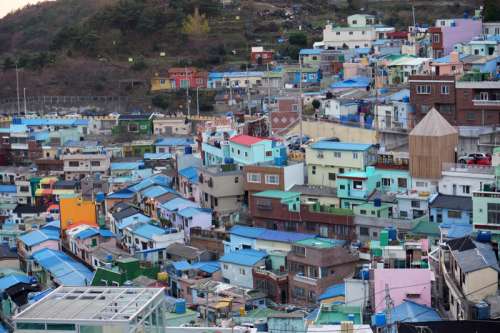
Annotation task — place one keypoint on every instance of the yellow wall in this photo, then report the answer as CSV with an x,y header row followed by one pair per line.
x,y
480,284
156,85
323,129
76,211
327,201
340,299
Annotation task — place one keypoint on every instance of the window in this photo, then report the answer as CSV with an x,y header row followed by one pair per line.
x,y
24,189
254,178
295,107
355,156
298,292
337,154
342,187
31,326
403,213
402,182
466,189
445,90
386,181
236,180
299,250
362,211
225,266
242,271
269,153
312,296
323,231
364,231
424,108
454,214
246,154
320,154
95,163
423,89
357,185
162,81
483,95
313,170
350,32
421,184
239,152
133,128
216,202
272,179
435,38
331,176
415,204
493,213
471,115
94,242
74,164
338,33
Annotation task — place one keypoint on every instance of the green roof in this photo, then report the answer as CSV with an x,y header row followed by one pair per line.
x,y
354,174
321,243
274,194
424,227
339,314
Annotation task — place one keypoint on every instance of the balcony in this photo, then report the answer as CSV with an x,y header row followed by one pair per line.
x,y
486,102
305,279
19,146
468,168
275,275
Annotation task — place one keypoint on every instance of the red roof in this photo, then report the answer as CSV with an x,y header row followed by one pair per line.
x,y
245,140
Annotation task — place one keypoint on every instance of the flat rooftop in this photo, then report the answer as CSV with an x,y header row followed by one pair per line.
x,y
92,304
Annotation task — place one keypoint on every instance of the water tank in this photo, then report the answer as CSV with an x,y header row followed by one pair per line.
x,y
365,274
100,197
188,150
98,176
109,258
228,160
406,99
393,234
482,310
377,202
379,319
483,236
180,306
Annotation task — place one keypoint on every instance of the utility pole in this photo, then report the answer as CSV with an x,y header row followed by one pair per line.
x,y
413,14
389,306
24,97
248,94
17,84
269,112
197,101
206,307
300,101
188,103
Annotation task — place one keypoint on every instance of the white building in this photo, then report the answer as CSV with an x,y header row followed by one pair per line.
x,y
360,32
491,28
335,108
95,309
464,179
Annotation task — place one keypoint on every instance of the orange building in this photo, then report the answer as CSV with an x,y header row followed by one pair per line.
x,y
75,211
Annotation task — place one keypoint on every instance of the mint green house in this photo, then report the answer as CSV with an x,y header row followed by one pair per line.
x,y
288,198
247,150
355,187
486,206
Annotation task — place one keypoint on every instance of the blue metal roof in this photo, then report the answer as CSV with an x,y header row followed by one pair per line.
x,y
106,233
249,232
136,218
310,52
347,146
8,189
192,211
122,194
147,231
35,297
51,121
157,156
36,237
222,75
156,191
87,233
354,82
244,257
40,136
398,96
52,225
182,265
65,270
126,165
178,203
11,280
191,173
208,266
153,180
412,312
270,235
333,291
173,141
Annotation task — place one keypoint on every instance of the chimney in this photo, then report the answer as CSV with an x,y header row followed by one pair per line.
x,y
454,57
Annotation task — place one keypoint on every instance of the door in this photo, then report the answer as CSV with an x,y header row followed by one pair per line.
x,y
454,189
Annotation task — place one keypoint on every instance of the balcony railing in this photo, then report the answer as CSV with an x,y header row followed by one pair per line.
x,y
468,168
305,279
486,102
276,275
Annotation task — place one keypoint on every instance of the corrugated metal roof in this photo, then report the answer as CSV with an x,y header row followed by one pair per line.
x,y
333,291
174,142
126,165
11,280
270,235
245,140
275,194
63,268
87,233
410,312
192,211
8,189
156,191
244,257
36,237
178,203
347,146
353,82
130,220
191,173
146,230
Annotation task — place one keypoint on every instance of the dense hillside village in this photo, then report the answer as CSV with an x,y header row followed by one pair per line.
x,y
330,175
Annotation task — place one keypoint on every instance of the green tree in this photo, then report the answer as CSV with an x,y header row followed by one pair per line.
x,y
196,25
491,11
298,39
139,64
151,20
8,63
161,101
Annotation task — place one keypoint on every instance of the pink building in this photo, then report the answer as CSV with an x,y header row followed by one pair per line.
x,y
448,32
412,284
33,241
450,65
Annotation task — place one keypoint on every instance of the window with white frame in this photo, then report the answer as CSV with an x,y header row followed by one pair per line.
x,y
423,89
272,179
337,154
253,177
355,156
445,90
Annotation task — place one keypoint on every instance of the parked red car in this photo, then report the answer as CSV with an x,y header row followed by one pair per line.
x,y
480,160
